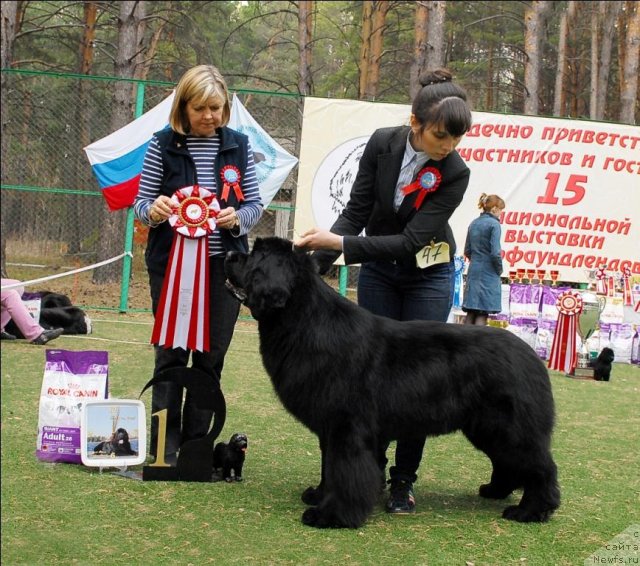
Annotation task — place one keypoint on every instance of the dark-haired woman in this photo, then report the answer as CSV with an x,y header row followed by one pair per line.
x,y
410,181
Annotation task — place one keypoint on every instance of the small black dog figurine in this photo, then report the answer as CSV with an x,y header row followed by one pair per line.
x,y
602,365
230,457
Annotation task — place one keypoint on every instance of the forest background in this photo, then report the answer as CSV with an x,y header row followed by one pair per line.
x,y
568,59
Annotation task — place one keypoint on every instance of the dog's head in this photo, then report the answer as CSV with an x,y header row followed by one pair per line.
x,y
239,442
606,356
265,279
120,436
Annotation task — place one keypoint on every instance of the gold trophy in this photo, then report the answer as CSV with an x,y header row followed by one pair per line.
x,y
592,307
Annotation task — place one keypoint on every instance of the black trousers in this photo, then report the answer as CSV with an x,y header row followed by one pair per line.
x,y
188,422
406,293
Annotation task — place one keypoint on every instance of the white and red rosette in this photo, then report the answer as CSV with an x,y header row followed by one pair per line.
x,y
182,319
601,280
428,181
626,286
564,352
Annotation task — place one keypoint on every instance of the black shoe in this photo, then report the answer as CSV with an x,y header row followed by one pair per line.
x,y
401,501
47,336
6,336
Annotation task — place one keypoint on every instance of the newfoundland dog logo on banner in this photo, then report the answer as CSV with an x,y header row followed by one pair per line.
x,y
273,162
337,171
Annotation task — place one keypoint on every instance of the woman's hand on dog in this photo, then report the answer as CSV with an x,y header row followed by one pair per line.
x,y
317,239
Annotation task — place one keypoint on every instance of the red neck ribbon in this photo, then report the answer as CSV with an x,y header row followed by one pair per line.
x,y
428,181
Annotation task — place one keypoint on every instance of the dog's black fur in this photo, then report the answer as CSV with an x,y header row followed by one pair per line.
x,y
117,445
230,457
602,365
56,311
356,379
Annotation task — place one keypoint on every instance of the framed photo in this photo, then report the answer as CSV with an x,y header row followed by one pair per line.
x,y
113,433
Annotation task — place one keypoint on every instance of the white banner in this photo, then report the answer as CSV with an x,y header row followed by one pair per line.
x,y
572,188
273,162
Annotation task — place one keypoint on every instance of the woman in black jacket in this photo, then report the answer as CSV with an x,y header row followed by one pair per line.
x,y
410,181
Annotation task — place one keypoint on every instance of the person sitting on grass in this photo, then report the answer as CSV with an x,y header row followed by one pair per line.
x,y
14,309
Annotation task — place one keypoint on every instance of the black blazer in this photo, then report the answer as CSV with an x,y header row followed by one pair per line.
x,y
390,235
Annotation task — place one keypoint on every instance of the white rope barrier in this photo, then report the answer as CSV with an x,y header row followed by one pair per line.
x,y
74,271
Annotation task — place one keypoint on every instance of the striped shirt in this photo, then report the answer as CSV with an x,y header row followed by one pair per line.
x,y
412,162
203,152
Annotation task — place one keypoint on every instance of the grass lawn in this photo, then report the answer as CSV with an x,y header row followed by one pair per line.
x,y
70,514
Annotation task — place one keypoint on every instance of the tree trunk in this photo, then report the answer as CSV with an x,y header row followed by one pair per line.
x,y
305,35
419,62
602,28
378,17
629,91
130,36
365,47
435,35
10,13
534,20
560,94
78,208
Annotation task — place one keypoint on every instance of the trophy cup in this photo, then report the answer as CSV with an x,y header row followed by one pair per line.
x,y
554,274
592,307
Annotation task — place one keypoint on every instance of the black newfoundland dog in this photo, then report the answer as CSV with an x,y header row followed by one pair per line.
x,y
56,311
602,365
355,379
117,445
229,458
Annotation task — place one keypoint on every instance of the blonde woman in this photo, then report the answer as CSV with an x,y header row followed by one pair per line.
x,y
483,291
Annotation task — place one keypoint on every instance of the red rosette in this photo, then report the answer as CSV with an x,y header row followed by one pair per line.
x,y
569,303
231,178
427,181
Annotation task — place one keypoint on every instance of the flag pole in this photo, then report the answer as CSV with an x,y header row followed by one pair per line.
x,y
128,236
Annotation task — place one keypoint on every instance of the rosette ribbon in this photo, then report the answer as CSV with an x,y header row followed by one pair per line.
x,y
428,181
564,352
458,262
231,180
601,281
626,286
182,319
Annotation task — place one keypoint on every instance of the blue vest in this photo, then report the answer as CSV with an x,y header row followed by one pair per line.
x,y
179,171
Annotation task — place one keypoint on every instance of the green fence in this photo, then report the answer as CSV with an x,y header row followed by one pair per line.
x,y
52,208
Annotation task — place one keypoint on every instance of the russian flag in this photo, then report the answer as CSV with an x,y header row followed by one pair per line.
x,y
117,159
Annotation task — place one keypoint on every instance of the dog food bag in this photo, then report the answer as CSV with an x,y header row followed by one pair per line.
x,y
70,378
524,303
621,341
635,347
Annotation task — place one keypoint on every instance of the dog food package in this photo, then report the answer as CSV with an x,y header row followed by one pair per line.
x,y
548,308
524,303
544,338
635,347
621,341
70,378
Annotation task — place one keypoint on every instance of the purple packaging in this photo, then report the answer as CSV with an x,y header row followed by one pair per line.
x,y
69,379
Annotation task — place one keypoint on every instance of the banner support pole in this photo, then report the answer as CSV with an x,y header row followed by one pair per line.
x,y
128,236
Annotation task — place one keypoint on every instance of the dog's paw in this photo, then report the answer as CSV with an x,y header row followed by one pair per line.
x,y
238,478
229,479
311,496
517,513
490,491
